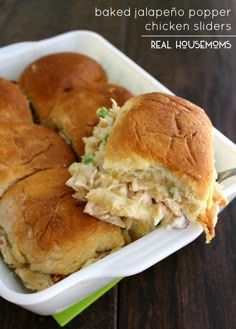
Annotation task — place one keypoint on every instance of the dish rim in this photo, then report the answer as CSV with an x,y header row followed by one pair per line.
x,y
71,280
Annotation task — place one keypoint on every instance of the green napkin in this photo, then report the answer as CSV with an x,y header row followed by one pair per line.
x,y
68,314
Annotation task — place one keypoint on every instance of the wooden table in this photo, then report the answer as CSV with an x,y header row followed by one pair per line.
x,y
195,287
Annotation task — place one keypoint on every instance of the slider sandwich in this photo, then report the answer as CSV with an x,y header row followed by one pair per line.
x,y
150,162
65,90
74,115
45,79
44,234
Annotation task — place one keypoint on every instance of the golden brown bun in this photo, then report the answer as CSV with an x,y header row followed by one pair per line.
x,y
13,104
75,113
45,232
27,148
116,92
159,131
155,166
46,78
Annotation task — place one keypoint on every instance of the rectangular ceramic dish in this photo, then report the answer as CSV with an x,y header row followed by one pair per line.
x,y
139,255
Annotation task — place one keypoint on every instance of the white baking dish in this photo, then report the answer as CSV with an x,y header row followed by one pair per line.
x,y
139,255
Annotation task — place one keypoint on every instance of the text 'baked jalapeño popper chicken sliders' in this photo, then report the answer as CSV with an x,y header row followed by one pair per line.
x,y
150,162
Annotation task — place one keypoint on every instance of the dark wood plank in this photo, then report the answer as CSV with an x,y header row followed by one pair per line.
x,y
97,316
28,20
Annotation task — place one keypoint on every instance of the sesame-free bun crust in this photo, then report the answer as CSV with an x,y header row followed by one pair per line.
x,y
27,148
14,106
45,79
75,113
45,232
162,132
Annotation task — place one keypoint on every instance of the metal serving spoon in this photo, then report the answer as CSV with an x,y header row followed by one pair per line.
x,y
226,174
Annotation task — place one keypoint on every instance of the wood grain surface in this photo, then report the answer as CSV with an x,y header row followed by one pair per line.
x,y
195,287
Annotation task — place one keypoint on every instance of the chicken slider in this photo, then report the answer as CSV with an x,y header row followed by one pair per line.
x,y
45,79
45,236
74,115
151,162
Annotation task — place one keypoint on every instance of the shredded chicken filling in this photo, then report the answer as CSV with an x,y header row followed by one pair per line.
x,y
120,202
89,177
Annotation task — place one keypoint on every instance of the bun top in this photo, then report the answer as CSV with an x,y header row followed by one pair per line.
x,y
160,130
27,148
13,104
45,79
75,113
45,228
